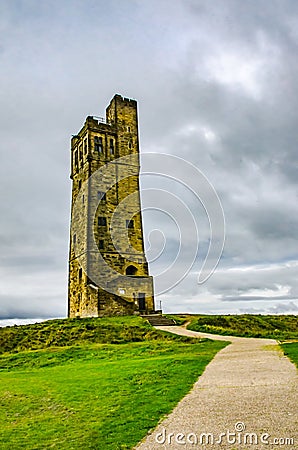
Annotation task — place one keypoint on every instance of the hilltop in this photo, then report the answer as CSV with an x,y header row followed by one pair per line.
x,y
78,332
280,327
92,383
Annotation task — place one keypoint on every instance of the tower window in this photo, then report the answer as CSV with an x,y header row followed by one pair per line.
x,y
76,158
74,239
98,144
81,153
80,273
100,244
102,221
101,196
131,270
128,129
80,184
112,149
129,224
85,146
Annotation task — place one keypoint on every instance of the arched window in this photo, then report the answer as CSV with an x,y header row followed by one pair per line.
x,y
131,270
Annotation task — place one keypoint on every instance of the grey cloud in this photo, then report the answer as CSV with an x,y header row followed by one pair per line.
x,y
255,298
18,306
281,308
236,121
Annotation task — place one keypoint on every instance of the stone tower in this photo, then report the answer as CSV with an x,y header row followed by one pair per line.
x,y
108,271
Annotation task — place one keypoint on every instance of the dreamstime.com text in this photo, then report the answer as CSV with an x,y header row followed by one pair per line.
x,y
238,436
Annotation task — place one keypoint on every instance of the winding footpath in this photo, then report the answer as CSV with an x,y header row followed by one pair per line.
x,y
246,399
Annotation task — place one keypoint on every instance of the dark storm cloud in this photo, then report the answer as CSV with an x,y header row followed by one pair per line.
x,y
216,84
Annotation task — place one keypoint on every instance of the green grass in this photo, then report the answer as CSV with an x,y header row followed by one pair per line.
x,y
279,327
66,332
93,395
291,350
180,320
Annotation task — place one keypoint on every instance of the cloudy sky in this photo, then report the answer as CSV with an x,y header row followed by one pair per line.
x,y
216,84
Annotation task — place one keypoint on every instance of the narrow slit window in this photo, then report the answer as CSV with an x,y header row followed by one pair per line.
x,y
76,161
102,221
112,148
100,244
85,147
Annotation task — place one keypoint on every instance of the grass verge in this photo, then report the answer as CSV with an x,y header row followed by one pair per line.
x,y
291,351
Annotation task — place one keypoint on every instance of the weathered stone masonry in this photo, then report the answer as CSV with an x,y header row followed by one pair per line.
x,y
93,291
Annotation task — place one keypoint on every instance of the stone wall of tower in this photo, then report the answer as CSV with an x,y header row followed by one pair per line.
x,y
96,145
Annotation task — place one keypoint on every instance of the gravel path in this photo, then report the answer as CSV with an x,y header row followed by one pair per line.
x,y
248,392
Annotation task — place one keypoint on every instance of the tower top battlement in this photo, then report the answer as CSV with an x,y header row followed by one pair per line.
x,y
120,98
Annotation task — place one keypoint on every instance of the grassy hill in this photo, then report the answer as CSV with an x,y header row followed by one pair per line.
x,y
67,332
280,327
92,383
104,383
